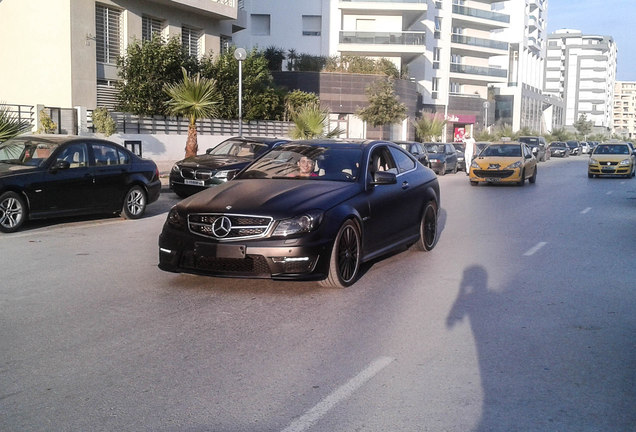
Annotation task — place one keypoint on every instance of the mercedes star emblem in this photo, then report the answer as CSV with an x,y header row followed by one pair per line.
x,y
221,227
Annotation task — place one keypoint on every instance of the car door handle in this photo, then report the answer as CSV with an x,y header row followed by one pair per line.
x,y
405,184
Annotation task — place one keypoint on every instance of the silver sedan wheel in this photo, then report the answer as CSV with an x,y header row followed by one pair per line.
x,y
12,212
134,203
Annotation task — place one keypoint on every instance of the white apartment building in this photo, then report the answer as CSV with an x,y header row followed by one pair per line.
x,y
62,53
625,109
454,49
581,69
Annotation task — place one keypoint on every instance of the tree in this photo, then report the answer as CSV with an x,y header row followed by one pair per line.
x,y
384,106
103,122
311,121
144,71
275,57
194,98
297,99
10,124
429,127
583,126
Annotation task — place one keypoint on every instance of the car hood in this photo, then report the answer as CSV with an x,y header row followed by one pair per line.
x,y
214,162
503,162
11,169
277,198
609,157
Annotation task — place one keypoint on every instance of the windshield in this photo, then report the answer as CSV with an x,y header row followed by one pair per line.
x,y
301,161
238,148
611,149
506,150
557,144
25,151
435,148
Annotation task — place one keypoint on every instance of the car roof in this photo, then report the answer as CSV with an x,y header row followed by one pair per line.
x,y
59,139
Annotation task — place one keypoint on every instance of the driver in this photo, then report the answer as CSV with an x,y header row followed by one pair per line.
x,y
306,167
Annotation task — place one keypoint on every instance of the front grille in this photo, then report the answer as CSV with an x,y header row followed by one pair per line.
x,y
198,174
228,227
255,265
493,174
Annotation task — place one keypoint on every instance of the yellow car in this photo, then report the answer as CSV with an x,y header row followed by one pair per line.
x,y
612,159
504,162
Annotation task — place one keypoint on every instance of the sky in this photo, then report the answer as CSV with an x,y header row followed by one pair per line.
x,y
615,18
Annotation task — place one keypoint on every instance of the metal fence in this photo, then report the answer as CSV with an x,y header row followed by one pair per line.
x,y
21,112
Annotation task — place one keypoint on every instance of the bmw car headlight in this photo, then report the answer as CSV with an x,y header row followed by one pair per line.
x,y
223,175
514,165
175,168
299,224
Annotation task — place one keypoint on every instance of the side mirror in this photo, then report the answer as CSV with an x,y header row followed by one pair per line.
x,y
384,177
60,165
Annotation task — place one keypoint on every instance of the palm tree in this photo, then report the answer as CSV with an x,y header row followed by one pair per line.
x,y
194,98
311,121
429,127
10,125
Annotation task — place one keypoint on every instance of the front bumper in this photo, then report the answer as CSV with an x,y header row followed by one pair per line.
x,y
304,258
495,176
604,169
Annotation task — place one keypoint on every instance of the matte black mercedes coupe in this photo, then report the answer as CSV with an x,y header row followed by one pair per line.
x,y
306,210
45,176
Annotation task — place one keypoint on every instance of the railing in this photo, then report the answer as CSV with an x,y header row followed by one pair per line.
x,y
479,13
134,124
230,3
478,70
385,1
21,112
383,38
478,42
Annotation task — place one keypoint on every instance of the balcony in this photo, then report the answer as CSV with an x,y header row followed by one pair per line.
x,y
407,45
217,9
477,47
410,10
479,18
477,74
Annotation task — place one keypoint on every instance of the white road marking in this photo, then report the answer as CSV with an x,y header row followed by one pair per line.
x,y
342,393
534,249
586,210
609,193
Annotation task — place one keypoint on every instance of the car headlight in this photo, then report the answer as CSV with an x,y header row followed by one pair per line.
x,y
625,162
176,219
514,165
474,165
175,168
299,224
223,175
592,161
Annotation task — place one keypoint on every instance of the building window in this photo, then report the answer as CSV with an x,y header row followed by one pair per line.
x,y
260,25
150,27
434,87
226,43
190,40
438,27
312,25
455,87
456,59
108,40
436,57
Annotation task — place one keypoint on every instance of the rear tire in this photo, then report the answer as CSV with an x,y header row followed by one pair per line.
x,y
344,263
13,212
135,203
428,228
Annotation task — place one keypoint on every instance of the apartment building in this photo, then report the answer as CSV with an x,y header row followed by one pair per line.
x,y
581,69
62,53
625,109
469,58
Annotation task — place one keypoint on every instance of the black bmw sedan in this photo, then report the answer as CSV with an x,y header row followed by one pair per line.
x,y
194,174
46,176
306,210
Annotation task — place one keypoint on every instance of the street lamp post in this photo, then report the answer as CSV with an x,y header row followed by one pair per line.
x,y
240,54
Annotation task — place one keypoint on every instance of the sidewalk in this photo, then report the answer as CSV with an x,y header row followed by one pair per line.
x,y
164,174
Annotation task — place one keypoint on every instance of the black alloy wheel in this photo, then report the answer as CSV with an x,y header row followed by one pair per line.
x,y
428,228
345,257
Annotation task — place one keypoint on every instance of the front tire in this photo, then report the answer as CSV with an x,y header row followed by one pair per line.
x,y
13,212
344,263
522,180
135,203
428,228
533,179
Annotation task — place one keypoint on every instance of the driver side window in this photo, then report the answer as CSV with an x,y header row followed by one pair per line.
x,y
75,155
381,160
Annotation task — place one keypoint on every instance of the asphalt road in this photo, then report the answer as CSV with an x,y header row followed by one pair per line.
x,y
521,319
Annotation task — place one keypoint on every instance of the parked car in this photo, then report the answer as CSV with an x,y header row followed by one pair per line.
x,y
417,149
538,146
574,147
271,222
47,176
585,147
460,148
559,149
504,162
443,158
194,174
616,158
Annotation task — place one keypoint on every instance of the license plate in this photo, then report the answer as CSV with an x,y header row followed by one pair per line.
x,y
194,182
493,179
219,250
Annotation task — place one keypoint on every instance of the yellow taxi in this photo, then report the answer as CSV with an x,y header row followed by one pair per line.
x,y
504,162
616,158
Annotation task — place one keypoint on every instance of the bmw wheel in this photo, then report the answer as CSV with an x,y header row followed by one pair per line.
x,y
428,228
345,257
12,212
134,203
